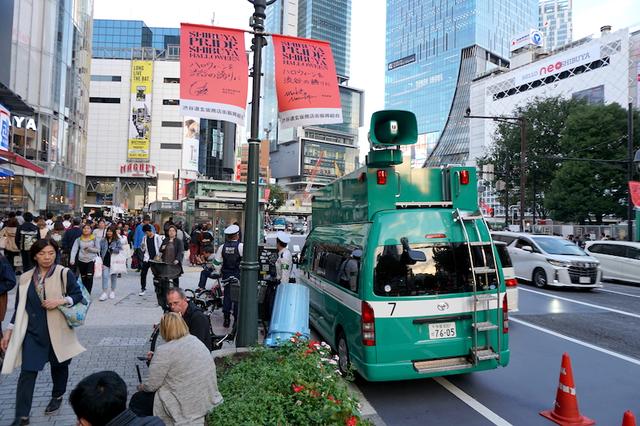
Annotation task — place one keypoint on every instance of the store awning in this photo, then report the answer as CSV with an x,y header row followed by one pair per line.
x,y
13,102
6,172
18,160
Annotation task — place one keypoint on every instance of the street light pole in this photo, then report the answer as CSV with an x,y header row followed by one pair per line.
x,y
248,321
522,122
630,159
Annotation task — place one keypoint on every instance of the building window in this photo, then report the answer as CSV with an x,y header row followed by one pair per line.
x,y
171,102
171,80
172,124
593,95
106,78
170,146
99,100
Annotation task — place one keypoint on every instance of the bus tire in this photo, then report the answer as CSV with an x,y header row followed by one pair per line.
x,y
539,278
344,363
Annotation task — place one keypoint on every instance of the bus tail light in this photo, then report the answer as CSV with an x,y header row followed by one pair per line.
x,y
511,282
464,177
368,320
505,315
381,176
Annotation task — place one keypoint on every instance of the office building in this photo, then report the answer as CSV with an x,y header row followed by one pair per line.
x,y
45,58
433,50
141,148
312,156
556,22
599,70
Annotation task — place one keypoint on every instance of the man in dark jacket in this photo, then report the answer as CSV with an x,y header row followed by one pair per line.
x,y
7,283
101,399
196,320
70,236
26,236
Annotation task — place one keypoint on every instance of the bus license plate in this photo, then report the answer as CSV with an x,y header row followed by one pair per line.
x,y
442,330
585,280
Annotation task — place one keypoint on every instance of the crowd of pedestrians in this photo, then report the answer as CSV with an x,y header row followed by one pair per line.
x,y
44,257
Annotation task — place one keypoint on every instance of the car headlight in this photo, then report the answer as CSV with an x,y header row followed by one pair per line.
x,y
558,263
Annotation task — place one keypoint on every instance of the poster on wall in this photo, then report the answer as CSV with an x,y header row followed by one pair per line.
x,y
213,73
140,119
5,124
190,143
306,82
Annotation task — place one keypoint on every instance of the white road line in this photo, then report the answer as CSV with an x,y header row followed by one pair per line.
x,y
618,292
576,341
472,402
591,305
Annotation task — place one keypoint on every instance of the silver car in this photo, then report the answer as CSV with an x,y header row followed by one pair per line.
x,y
546,260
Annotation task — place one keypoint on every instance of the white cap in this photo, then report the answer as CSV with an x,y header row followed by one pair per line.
x,y
356,253
283,236
231,229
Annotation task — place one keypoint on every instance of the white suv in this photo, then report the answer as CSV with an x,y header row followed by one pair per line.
x,y
547,260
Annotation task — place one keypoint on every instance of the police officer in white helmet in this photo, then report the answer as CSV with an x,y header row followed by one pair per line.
x,y
284,263
227,262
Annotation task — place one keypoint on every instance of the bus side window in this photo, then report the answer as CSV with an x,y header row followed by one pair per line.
x,y
349,273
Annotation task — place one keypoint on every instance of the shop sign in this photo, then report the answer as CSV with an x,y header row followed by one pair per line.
x,y
557,64
5,123
138,169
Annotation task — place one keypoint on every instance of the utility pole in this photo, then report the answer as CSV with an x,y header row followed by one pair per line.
x,y
248,321
630,163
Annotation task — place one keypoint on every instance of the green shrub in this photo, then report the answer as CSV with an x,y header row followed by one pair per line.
x,y
295,384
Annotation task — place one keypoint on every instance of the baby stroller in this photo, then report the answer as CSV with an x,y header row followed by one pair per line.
x,y
164,275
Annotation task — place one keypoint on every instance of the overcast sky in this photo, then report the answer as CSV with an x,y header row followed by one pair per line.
x,y
367,28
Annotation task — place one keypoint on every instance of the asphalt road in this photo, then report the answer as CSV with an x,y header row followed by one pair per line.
x,y
599,330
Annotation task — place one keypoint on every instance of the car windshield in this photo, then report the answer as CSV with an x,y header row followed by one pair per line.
x,y
447,269
559,246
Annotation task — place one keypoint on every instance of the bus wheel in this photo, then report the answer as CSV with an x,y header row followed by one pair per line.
x,y
540,278
344,364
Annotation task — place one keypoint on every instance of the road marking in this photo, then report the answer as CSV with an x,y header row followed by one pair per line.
x,y
576,341
471,402
591,305
619,292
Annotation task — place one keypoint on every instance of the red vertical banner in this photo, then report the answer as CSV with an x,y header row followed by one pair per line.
x,y
634,189
213,73
306,82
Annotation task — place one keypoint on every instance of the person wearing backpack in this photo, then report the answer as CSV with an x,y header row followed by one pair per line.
x,y
8,233
26,236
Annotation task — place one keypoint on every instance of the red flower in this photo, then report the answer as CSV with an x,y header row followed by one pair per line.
x,y
308,351
351,421
314,393
297,388
298,334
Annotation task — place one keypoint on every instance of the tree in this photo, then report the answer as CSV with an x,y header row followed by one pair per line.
x,y
582,190
545,122
276,198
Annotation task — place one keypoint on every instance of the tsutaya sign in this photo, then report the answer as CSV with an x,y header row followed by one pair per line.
x,y
24,122
138,169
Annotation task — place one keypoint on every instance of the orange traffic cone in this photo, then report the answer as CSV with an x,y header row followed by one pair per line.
x,y
565,411
628,419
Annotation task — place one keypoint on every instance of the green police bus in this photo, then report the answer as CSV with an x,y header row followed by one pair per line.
x,y
403,275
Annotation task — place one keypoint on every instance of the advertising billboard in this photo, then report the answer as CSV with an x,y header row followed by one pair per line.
x,y
528,38
5,124
190,143
557,63
327,161
306,82
213,73
140,120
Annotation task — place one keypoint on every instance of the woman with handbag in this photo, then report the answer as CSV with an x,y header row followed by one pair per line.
x,y
8,235
110,247
39,332
86,248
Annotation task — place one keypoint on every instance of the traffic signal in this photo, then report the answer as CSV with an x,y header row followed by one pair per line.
x,y
393,127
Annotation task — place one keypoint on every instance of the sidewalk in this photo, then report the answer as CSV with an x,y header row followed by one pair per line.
x,y
115,333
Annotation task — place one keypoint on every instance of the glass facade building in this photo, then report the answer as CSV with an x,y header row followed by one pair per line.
x,y
45,58
424,52
114,38
556,22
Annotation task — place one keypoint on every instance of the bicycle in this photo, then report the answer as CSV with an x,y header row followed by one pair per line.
x,y
164,275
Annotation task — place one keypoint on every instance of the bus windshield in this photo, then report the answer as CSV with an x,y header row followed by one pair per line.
x,y
446,270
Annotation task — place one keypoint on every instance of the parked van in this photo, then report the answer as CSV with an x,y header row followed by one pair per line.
x,y
510,280
547,260
619,260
